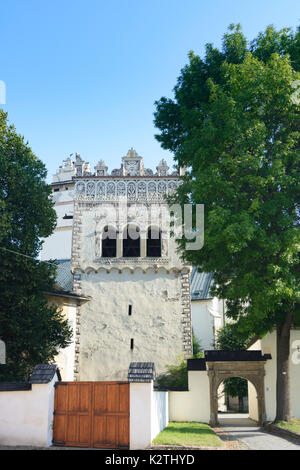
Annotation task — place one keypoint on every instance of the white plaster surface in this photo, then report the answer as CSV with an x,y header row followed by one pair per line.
x,y
252,402
207,319
193,405
149,414
65,358
159,412
140,415
26,417
58,245
106,328
203,323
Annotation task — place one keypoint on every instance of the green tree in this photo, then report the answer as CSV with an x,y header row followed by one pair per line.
x,y
283,42
233,124
236,387
175,377
177,374
31,329
197,350
229,338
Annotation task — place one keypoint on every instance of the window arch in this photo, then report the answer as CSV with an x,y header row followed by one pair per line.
x,y
109,242
131,242
153,242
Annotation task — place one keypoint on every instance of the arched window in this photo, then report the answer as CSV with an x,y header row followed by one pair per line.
x,y
109,242
154,242
131,242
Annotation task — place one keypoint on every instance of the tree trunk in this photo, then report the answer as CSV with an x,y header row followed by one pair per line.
x,y
283,405
241,404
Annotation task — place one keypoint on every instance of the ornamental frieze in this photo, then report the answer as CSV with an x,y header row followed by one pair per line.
x,y
133,190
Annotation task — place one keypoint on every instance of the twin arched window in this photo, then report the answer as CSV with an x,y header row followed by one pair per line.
x,y
131,242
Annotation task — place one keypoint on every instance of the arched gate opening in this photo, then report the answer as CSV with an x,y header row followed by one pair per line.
x,y
249,365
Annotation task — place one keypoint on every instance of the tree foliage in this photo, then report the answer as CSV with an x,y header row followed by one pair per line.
x,y
31,329
197,350
229,338
236,387
175,377
177,374
235,125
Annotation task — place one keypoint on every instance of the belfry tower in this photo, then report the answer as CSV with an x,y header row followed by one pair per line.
x,y
124,259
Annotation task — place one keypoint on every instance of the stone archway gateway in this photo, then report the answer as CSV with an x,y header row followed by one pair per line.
x,y
249,365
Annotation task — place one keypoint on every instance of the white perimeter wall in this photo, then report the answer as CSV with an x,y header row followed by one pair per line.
x,y
140,415
160,412
193,405
26,417
148,414
268,346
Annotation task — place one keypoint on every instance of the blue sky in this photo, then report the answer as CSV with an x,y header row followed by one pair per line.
x,y
82,76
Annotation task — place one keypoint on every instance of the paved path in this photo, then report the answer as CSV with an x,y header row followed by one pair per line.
x,y
238,427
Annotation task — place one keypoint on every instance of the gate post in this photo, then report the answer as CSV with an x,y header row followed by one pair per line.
x,y
140,377
260,390
213,396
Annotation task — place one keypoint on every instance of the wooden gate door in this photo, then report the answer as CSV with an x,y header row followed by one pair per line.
x,y
91,414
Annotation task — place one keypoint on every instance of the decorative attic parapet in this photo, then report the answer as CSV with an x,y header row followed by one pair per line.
x,y
65,172
44,373
143,372
162,168
132,166
101,168
82,168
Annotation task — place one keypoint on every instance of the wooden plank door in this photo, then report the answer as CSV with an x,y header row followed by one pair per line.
x,y
111,415
72,415
91,414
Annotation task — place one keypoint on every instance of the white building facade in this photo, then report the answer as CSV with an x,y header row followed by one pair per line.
x,y
146,190
125,261
208,313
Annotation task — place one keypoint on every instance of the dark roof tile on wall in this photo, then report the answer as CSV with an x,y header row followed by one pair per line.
x,y
14,386
196,364
222,356
44,373
141,372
